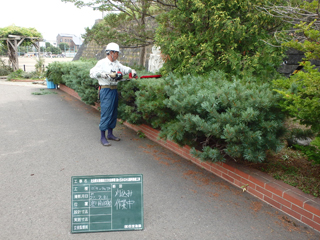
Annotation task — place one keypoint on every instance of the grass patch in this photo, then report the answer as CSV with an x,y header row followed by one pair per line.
x,y
141,134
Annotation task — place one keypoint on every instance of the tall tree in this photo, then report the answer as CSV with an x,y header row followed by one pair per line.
x,y
294,12
203,35
131,23
64,46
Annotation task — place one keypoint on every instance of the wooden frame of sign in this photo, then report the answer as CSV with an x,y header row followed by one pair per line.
x,y
106,203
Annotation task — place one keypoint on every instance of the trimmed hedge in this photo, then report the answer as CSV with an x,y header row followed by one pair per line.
x,y
219,118
75,75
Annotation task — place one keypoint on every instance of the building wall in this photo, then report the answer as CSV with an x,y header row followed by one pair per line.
x,y
128,56
68,40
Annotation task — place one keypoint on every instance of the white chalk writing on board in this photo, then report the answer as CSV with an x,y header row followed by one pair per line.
x,y
123,204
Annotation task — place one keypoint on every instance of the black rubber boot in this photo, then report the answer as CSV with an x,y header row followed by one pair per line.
x,y
103,140
111,136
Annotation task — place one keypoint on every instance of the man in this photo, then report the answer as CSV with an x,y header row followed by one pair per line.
x,y
108,72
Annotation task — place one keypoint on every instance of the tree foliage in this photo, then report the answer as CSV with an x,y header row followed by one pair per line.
x,y
202,35
21,31
130,23
64,46
120,28
134,8
294,12
194,35
301,96
52,49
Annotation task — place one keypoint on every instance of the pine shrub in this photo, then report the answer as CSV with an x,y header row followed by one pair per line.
x,y
142,101
221,118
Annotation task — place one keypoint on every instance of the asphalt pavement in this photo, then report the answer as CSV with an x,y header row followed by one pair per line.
x,y
47,139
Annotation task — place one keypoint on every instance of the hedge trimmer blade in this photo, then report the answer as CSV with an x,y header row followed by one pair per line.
x,y
146,76
136,77
151,76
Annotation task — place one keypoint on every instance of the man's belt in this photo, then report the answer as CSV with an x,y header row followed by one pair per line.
x,y
109,86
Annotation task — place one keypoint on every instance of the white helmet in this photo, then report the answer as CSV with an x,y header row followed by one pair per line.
x,y
112,47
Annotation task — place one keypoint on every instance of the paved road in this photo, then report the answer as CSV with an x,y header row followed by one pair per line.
x,y
46,139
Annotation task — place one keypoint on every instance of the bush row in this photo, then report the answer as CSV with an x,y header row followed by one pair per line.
x,y
218,117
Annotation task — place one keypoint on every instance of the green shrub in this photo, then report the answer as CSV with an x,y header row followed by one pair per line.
x,y
5,69
28,75
142,101
78,77
220,118
40,69
15,75
316,142
75,75
301,97
311,152
199,36
54,72
127,109
20,74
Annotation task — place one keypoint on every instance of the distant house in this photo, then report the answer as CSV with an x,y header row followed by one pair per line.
x,y
72,40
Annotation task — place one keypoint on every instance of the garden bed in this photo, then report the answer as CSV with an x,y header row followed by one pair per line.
x,y
293,168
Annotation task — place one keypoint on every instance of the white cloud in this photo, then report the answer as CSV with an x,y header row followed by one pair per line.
x,y
49,17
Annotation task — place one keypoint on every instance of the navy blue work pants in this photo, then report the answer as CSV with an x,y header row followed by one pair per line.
x,y
109,108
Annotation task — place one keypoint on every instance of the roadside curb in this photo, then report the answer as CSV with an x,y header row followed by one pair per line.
x,y
288,199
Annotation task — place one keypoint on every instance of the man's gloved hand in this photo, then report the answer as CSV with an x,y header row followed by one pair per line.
x,y
134,73
101,75
104,75
113,75
119,76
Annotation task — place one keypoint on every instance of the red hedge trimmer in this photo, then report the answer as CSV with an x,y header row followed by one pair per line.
x,y
119,76
146,76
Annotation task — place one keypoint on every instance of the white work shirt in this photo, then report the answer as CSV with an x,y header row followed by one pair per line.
x,y
106,66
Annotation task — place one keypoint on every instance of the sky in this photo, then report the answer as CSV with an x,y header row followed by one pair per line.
x,y
49,17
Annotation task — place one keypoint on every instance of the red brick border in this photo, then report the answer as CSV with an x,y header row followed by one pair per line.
x,y
281,196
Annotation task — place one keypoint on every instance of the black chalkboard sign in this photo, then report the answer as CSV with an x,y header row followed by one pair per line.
x,y
107,203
